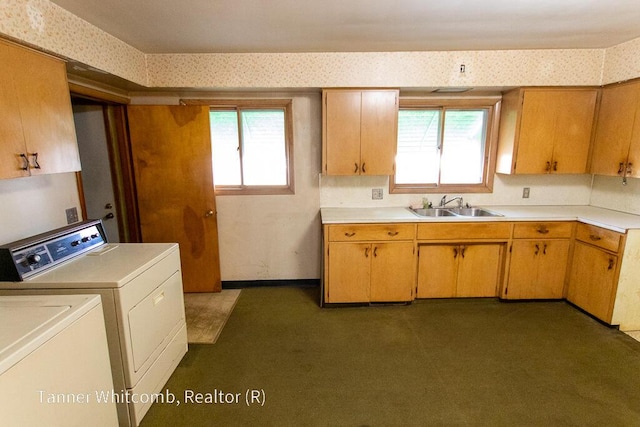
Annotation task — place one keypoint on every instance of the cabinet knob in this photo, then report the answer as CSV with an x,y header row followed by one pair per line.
x,y
555,166
621,168
208,214
548,167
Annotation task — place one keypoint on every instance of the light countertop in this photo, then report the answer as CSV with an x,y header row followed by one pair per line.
x,y
606,218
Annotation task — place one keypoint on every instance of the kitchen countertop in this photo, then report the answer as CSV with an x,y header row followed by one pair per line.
x,y
606,218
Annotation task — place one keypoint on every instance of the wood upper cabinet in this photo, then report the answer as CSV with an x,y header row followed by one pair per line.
x,y
616,146
37,129
359,131
539,254
369,263
546,130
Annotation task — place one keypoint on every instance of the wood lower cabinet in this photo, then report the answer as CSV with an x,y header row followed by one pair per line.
x,y
593,280
37,133
369,263
539,254
595,270
459,270
460,259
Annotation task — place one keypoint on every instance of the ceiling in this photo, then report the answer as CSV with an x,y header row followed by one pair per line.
x,y
220,26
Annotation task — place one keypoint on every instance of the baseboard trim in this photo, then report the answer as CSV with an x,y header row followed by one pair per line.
x,y
240,284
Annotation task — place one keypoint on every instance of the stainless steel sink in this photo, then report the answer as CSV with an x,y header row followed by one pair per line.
x,y
468,212
473,212
433,212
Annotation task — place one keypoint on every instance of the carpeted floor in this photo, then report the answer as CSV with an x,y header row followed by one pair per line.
x,y
434,362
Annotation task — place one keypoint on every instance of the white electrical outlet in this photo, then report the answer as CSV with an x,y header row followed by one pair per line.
x,y
376,194
525,193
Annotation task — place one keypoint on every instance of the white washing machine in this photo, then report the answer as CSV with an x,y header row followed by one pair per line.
x,y
140,285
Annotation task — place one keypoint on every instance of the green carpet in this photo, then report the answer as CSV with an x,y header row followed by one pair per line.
x,y
434,362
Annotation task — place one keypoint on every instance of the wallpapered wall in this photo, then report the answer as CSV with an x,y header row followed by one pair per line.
x,y
47,26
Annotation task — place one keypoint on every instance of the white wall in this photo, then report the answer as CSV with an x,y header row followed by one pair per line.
x,y
33,205
609,192
273,237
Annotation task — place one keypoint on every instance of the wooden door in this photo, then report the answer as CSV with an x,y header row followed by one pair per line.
x,y
342,132
618,107
45,107
574,112
11,135
592,280
479,270
171,151
536,134
552,269
523,269
392,271
349,272
437,271
379,132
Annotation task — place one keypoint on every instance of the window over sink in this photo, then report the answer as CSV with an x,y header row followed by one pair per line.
x,y
445,145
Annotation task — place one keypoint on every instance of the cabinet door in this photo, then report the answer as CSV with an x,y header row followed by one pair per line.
x,y
11,135
342,131
592,280
552,269
392,271
45,107
523,269
614,128
379,132
572,134
479,269
349,272
437,271
536,134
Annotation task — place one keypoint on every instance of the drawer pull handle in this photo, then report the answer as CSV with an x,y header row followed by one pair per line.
x,y
621,169
462,249
366,252
158,298
350,234
455,253
594,237
544,249
537,250
363,168
610,264
392,233
375,252
543,230
555,166
356,169
548,168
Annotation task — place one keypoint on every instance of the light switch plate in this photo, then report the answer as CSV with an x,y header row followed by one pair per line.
x,y
376,194
525,193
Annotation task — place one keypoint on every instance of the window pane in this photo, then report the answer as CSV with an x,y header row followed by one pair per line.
x,y
463,147
264,155
418,157
224,143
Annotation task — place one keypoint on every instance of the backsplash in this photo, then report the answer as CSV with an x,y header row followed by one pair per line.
x,y
609,192
348,191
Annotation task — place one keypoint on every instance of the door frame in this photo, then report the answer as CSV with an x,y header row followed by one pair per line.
x,y
120,161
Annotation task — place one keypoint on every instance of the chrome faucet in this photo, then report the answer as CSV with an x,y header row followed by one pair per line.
x,y
444,201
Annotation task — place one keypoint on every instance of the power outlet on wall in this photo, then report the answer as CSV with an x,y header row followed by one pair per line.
x,y
376,194
72,215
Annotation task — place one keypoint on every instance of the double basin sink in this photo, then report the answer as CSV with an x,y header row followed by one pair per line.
x,y
455,212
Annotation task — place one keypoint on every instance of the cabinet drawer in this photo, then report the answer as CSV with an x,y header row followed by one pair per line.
x,y
601,237
547,230
360,232
464,231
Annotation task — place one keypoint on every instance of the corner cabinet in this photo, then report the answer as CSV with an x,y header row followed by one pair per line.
x,y
369,263
616,146
37,131
359,131
546,130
